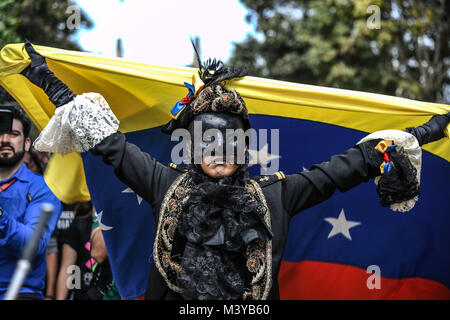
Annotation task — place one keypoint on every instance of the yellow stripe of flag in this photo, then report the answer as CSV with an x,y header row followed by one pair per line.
x,y
142,95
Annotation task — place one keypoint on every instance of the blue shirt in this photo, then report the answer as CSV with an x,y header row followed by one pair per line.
x,y
21,204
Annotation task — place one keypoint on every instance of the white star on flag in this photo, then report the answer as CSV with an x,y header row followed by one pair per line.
x,y
101,225
263,157
341,225
129,190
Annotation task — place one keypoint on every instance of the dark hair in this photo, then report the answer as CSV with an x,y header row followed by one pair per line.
x,y
26,123
83,209
35,158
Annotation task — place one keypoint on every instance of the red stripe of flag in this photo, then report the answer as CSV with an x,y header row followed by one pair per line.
x,y
138,298
315,280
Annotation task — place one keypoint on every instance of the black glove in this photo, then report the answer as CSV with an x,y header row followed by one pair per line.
x,y
431,131
39,74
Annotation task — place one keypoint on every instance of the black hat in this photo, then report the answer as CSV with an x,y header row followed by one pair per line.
x,y
212,97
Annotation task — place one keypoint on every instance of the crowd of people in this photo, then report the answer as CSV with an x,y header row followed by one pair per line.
x,y
71,261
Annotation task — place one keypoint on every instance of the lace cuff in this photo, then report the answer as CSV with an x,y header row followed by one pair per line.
x,y
408,148
78,126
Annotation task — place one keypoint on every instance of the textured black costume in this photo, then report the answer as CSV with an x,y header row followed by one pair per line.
x,y
273,200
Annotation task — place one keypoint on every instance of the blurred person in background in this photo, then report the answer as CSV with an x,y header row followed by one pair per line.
x,y
75,275
36,161
54,248
22,193
102,285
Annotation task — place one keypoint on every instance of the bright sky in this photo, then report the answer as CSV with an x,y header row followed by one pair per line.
x,y
158,31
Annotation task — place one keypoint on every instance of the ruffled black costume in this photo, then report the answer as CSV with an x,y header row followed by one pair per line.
x,y
218,221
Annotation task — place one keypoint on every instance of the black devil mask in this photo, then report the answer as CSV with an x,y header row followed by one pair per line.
x,y
220,135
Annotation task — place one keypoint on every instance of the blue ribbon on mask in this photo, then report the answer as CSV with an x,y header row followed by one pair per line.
x,y
180,105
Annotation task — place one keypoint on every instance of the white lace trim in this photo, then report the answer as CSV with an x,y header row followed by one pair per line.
x,y
78,126
406,144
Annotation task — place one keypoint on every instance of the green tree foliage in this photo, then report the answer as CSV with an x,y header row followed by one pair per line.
x,y
338,43
43,22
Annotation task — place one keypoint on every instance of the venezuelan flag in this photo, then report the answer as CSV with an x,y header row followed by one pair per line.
x,y
333,249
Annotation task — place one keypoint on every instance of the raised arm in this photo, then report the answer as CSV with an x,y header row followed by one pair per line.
x,y
144,174
86,123
15,233
396,168
341,172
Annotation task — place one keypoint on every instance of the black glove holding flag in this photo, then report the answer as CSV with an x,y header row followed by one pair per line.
x,y
39,74
431,131
399,183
